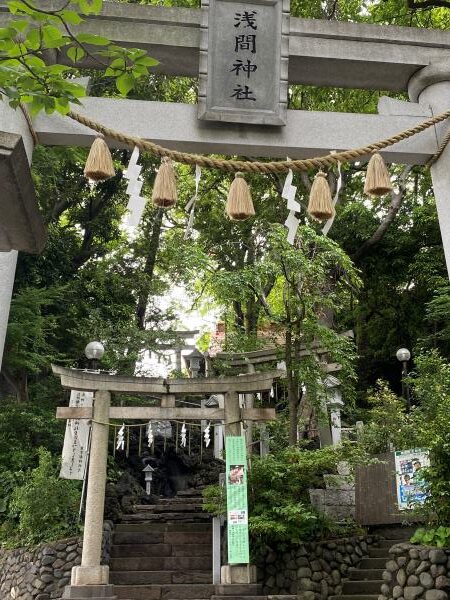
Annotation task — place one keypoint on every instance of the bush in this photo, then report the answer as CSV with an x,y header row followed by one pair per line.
x,y
278,484
43,508
439,537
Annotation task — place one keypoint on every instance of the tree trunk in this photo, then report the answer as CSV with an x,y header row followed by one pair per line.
x,y
149,268
291,389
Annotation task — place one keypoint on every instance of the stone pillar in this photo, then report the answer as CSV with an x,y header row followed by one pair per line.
x,y
91,572
335,418
11,121
232,414
431,87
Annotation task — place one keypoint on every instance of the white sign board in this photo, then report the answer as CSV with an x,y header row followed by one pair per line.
x,y
76,440
409,477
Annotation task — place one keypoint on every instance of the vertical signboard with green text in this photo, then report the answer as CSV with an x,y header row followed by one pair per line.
x,y
237,506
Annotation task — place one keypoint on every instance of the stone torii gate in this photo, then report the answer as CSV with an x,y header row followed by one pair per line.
x,y
320,53
91,573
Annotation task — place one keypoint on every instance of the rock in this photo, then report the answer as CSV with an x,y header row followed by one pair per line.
x,y
302,562
438,556
435,595
385,589
391,566
317,576
343,569
412,566
270,583
306,585
412,580
401,561
280,579
426,580
412,592
414,553
271,557
58,563
306,596
424,554
324,589
442,582
397,591
336,577
304,572
401,577
387,576
47,577
315,565
424,566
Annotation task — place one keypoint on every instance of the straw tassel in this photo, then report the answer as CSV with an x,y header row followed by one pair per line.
x,y
99,164
239,203
165,188
320,204
378,180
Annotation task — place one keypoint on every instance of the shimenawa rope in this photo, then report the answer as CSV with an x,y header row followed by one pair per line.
x,y
282,166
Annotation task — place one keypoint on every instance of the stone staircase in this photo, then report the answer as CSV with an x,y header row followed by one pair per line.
x,y
365,582
164,552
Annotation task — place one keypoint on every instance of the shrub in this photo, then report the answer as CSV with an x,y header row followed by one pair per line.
x,y
44,508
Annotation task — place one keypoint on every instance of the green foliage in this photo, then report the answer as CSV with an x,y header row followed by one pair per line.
x,y
26,78
389,425
43,507
278,484
439,536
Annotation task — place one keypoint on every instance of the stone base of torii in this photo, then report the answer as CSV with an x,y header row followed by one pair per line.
x,y
91,579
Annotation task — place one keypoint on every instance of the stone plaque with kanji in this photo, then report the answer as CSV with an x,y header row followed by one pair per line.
x,y
244,53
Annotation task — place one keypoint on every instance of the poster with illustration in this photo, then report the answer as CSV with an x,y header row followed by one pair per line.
x,y
237,505
409,465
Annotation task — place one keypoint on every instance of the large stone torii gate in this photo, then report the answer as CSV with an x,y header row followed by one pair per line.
x,y
91,579
320,53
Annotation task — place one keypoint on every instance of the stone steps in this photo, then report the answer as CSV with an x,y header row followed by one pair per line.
x,y
149,550
162,508
366,574
362,586
161,517
161,563
165,592
179,576
378,552
158,527
373,563
167,537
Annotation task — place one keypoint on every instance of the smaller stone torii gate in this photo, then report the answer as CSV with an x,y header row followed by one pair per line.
x,y
91,573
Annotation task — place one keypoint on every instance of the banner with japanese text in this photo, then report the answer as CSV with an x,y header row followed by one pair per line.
x,y
76,439
237,505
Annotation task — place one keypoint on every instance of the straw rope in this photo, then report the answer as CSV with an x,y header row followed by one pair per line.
x,y
232,166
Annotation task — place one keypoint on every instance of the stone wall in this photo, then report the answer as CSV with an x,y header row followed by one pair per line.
x,y
314,571
43,572
416,573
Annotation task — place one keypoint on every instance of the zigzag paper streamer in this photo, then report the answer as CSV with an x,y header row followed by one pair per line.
x,y
120,445
183,436
150,437
206,434
190,206
288,193
136,203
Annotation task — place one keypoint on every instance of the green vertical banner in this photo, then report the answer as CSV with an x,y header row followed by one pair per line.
x,y
237,505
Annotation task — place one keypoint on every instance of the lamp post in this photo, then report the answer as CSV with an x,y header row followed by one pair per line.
x,y
94,352
403,356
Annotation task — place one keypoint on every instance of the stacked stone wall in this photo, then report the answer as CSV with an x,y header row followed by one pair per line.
x,y
416,573
314,571
42,573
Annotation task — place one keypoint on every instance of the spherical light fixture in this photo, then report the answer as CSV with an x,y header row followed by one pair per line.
x,y
403,354
94,351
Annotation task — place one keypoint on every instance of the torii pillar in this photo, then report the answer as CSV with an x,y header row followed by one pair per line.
x,y
430,87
